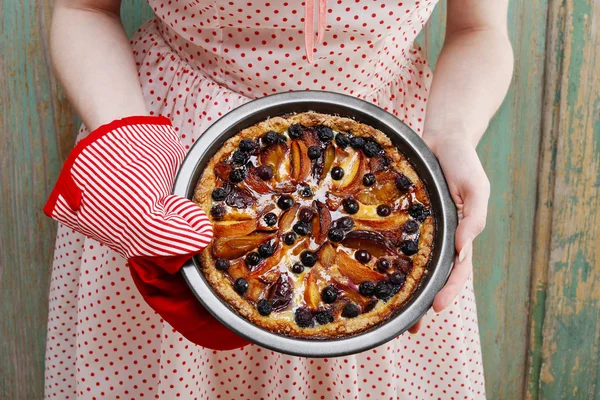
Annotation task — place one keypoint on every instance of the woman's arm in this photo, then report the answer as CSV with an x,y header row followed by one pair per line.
x,y
93,61
471,79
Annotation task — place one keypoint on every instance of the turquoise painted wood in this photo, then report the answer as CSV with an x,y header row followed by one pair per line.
x,y
537,262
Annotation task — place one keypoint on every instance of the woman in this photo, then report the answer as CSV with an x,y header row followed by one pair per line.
x,y
192,63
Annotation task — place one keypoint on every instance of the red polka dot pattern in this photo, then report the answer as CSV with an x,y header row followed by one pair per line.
x,y
197,60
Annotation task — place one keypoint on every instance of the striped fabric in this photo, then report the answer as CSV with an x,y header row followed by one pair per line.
x,y
115,188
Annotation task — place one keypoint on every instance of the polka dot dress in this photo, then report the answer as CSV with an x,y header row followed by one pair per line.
x,y
197,60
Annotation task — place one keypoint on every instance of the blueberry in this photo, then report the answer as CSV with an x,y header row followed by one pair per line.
x,y
222,264
329,294
324,133
302,228
351,206
305,191
285,202
219,194
342,140
383,210
362,256
409,247
336,235
218,211
253,259
366,288
337,173
289,238
297,268
306,214
308,258
323,317
345,223
398,278
240,285
264,172
403,183
266,250
369,180
264,307
383,264
314,152
247,145
240,157
303,317
383,290
410,226
357,142
295,131
418,212
350,311
270,138
270,219
372,148
237,175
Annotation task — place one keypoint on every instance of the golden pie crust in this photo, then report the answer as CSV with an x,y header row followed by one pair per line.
x,y
248,223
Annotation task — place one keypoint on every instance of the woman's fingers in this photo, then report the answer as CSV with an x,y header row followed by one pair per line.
x,y
460,273
474,213
415,328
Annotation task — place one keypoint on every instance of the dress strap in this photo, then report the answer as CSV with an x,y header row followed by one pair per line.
x,y
309,25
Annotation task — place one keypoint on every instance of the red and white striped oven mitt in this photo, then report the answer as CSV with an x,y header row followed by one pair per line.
x,y
115,188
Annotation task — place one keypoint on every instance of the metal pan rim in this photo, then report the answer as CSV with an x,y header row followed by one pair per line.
x,y
422,158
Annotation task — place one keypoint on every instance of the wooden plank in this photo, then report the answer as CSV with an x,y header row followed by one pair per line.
x,y
37,129
565,345
509,154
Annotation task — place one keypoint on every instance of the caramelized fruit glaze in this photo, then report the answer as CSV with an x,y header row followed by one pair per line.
x,y
322,228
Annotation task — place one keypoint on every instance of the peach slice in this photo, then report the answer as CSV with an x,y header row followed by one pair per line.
x,y
276,156
323,164
354,167
255,184
321,222
255,290
382,223
374,242
354,270
349,289
234,228
268,263
288,217
237,269
300,163
312,296
234,247
327,255
222,171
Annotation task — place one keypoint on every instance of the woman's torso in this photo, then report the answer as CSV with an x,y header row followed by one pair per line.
x,y
257,47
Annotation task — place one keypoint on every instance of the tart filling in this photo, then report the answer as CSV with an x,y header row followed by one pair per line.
x,y
322,228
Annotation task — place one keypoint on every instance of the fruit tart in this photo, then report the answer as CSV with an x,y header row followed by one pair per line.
x,y
322,228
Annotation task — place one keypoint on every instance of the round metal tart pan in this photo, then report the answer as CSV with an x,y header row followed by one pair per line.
x,y
408,142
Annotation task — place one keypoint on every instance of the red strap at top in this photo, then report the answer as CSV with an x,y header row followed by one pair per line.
x,y
65,184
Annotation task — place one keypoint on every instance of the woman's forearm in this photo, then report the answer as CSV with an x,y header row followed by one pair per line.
x,y
470,82
93,61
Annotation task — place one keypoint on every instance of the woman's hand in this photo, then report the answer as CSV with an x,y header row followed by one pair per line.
x,y
470,190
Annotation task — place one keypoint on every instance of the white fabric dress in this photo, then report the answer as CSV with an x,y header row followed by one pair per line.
x,y
197,60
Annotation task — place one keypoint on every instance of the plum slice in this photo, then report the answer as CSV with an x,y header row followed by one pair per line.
x,y
234,247
281,292
300,163
373,242
234,228
321,222
354,270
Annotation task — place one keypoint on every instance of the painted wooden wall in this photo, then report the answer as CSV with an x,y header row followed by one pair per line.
x,y
537,264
